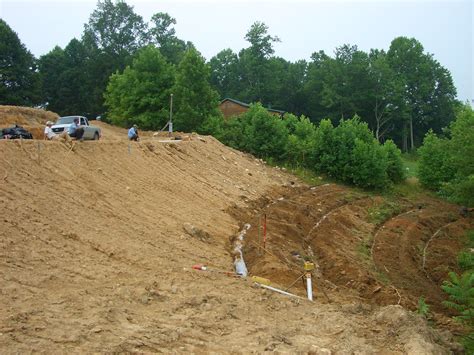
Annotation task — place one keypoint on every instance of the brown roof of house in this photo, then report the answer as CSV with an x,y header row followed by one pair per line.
x,y
247,105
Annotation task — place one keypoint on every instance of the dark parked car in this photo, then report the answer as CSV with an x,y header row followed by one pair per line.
x,y
16,132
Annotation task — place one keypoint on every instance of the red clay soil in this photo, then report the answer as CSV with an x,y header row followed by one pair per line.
x,y
98,242
330,225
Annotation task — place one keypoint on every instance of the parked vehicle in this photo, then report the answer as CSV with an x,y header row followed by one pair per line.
x,y
90,132
15,132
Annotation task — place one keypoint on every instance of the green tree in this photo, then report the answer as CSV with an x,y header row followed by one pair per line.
x,y
460,188
462,141
291,95
261,43
435,167
385,93
301,140
116,29
112,36
163,35
447,164
345,86
266,135
51,67
74,92
344,142
368,165
195,100
254,69
234,132
325,146
429,94
350,153
224,73
395,170
318,68
19,80
141,93
64,79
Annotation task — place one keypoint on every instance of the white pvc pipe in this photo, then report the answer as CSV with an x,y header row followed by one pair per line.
x,y
277,290
309,287
239,263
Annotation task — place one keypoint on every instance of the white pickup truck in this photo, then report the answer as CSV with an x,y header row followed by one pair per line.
x,y
90,132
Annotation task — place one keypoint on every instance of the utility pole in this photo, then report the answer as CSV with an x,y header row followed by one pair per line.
x,y
170,125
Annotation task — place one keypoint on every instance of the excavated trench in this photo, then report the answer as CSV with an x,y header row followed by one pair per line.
x,y
333,227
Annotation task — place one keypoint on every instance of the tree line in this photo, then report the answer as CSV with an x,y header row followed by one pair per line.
x,y
400,93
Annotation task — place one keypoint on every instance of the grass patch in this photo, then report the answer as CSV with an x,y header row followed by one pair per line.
x,y
410,164
307,176
380,213
383,278
363,249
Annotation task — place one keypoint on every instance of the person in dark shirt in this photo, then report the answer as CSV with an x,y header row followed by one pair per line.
x,y
75,130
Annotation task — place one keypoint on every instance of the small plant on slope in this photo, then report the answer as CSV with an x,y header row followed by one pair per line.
x,y
423,307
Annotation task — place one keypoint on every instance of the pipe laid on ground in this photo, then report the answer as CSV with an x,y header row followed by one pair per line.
x,y
277,290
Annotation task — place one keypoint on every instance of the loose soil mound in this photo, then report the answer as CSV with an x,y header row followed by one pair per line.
x,y
98,241
29,118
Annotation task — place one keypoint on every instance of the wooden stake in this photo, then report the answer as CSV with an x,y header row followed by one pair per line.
x,y
259,236
264,230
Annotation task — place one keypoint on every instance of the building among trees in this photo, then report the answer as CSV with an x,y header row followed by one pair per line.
x,y
230,107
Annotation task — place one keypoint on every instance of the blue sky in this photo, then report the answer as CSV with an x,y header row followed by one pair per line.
x,y
445,28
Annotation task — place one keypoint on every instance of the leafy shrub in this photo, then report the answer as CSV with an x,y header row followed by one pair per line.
x,y
347,152
447,165
345,136
213,125
459,190
234,133
350,153
395,170
368,165
434,168
324,146
267,133
301,140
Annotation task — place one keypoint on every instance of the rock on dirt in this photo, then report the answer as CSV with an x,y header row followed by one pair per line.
x,y
198,233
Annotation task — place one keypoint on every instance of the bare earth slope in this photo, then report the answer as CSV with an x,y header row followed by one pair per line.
x,y
94,256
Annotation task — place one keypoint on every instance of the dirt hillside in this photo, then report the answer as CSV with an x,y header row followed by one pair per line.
x,y
98,243
29,118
